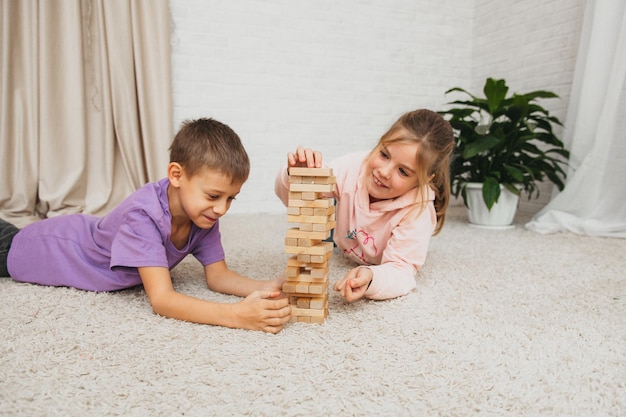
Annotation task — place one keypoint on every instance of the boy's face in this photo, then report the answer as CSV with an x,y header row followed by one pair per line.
x,y
206,196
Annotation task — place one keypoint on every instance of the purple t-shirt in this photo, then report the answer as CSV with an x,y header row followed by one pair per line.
x,y
103,253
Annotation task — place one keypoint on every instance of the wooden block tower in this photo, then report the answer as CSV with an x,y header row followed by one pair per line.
x,y
307,268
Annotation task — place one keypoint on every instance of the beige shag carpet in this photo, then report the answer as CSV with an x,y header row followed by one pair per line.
x,y
503,323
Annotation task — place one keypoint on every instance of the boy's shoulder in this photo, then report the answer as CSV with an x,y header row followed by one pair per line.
x,y
150,198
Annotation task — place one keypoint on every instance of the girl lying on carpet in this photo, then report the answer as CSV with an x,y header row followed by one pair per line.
x,y
389,202
150,232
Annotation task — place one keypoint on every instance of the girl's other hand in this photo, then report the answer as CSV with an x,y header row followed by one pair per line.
x,y
353,286
304,157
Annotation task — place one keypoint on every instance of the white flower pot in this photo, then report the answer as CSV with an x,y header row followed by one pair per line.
x,y
501,214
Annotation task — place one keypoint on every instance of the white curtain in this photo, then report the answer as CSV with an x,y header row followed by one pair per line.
x,y
85,103
594,199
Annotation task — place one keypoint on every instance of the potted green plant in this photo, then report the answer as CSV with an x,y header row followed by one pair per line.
x,y
503,146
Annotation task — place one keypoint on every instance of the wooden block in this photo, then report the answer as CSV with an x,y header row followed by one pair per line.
x,y
294,262
319,262
295,211
318,303
307,312
295,179
304,211
320,211
321,248
305,319
291,241
303,287
316,288
307,277
304,302
322,227
294,196
316,188
307,180
289,287
307,242
305,294
317,320
304,273
318,273
301,234
311,219
304,258
324,180
319,258
320,284
311,172
309,196
306,227
320,202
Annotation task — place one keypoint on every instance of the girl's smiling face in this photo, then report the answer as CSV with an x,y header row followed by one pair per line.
x,y
392,170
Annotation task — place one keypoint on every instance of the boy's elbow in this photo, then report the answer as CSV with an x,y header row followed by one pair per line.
x,y
158,308
161,304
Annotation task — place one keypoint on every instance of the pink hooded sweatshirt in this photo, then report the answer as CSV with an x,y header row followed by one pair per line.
x,y
391,237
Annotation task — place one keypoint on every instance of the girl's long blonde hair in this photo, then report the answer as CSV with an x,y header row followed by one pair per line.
x,y
435,142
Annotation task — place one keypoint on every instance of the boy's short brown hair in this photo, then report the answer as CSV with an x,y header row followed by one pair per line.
x,y
207,143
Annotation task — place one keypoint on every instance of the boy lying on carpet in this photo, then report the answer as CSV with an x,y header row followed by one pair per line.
x,y
390,201
150,232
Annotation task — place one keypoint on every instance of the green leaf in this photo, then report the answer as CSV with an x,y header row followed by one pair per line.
x,y
491,192
495,91
533,95
480,145
462,90
515,173
512,188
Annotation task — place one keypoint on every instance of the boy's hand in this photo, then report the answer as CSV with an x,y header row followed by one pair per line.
x,y
353,286
304,157
275,284
262,310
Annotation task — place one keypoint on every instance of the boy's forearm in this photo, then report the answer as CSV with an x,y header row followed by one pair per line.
x,y
232,283
182,307
240,286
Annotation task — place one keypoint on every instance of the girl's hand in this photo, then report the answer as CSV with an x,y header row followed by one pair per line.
x,y
353,286
262,310
304,157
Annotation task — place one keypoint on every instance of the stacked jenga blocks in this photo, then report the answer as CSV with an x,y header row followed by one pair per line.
x,y
307,268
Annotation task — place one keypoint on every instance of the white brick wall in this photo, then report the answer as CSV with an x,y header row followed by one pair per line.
x,y
328,74
335,74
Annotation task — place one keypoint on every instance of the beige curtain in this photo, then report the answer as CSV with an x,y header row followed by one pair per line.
x,y
86,107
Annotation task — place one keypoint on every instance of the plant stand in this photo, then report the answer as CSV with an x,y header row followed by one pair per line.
x,y
502,213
